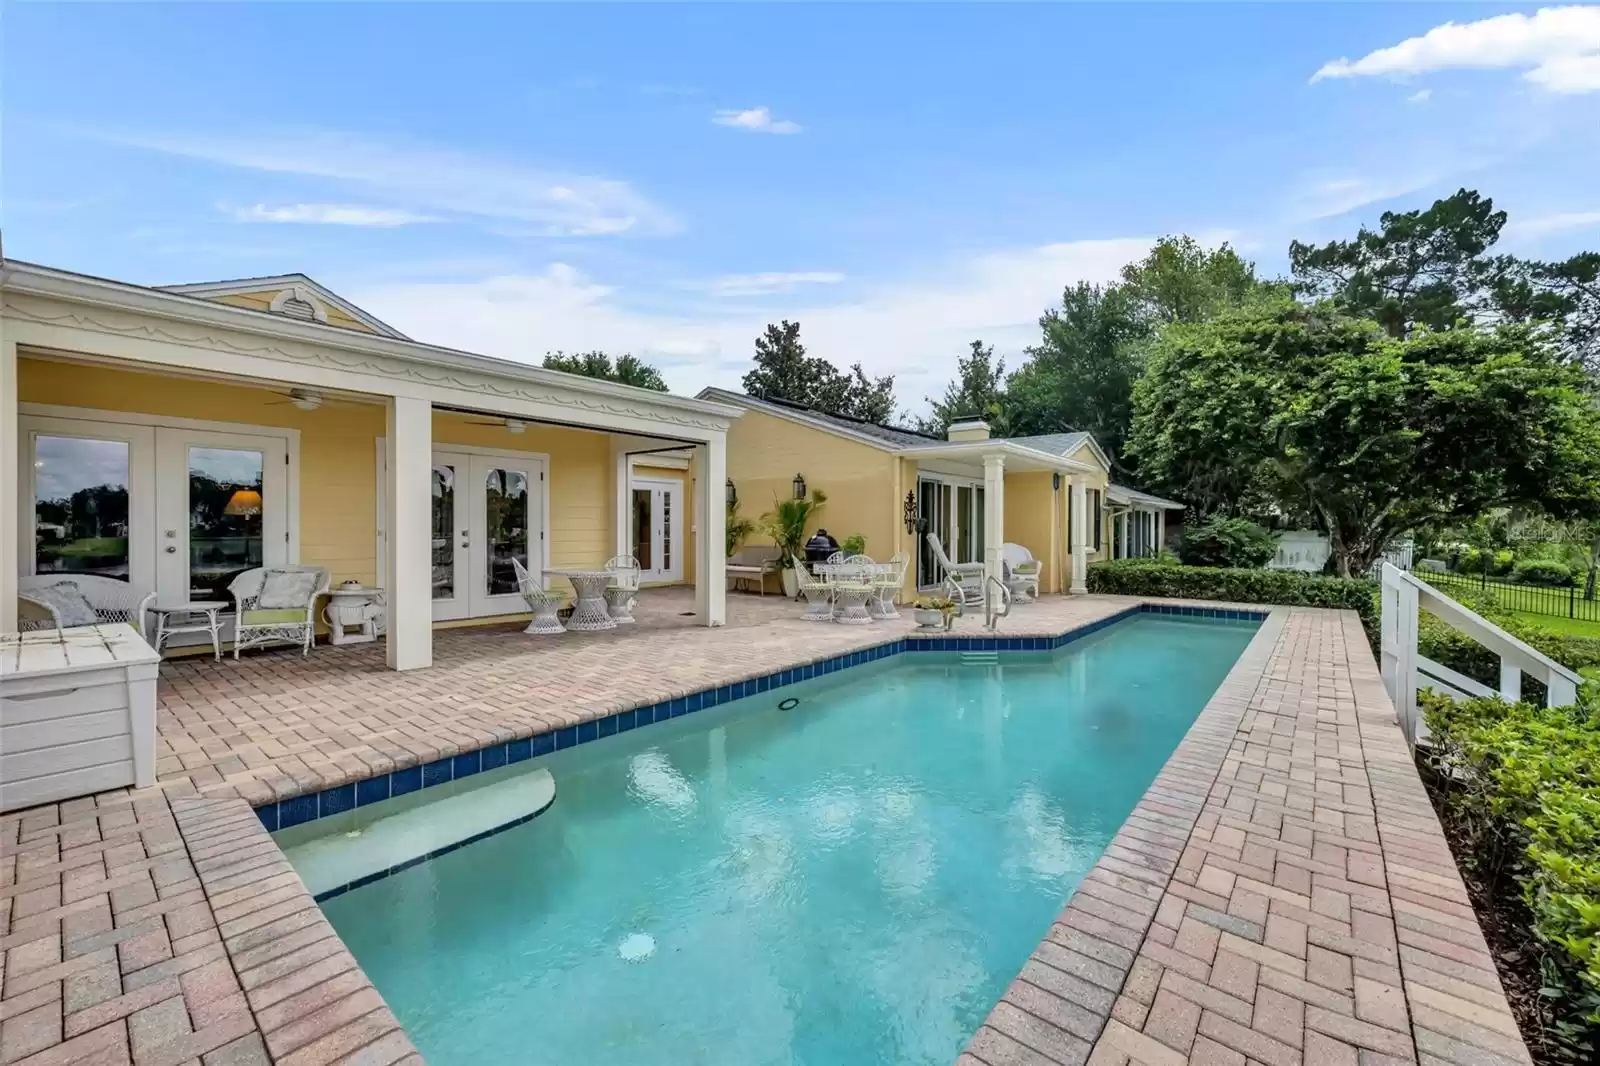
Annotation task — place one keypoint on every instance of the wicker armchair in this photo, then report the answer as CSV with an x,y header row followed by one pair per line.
x,y
1022,572
623,591
818,594
888,584
543,602
112,600
255,626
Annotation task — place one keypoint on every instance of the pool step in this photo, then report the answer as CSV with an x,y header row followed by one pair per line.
x,y
980,658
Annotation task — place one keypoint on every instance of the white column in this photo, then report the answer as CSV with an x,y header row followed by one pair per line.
x,y
10,463
1078,534
710,540
1127,521
994,515
619,457
408,521
1160,521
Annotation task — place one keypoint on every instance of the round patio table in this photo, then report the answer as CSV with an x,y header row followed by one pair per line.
x,y
589,613
856,606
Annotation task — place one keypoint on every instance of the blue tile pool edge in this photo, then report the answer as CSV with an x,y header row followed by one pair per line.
x,y
298,810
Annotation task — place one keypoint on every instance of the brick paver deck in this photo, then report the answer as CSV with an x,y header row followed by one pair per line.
x,y
1282,894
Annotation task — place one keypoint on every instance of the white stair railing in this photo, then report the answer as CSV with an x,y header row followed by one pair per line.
x,y
1406,670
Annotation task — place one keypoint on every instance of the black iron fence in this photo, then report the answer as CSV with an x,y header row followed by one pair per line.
x,y
1568,602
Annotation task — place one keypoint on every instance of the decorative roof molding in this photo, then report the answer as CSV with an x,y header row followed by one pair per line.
x,y
302,287
55,298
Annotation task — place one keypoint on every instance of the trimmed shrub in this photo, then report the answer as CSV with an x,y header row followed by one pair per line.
x,y
1542,572
1475,560
1146,577
1519,787
1449,648
1230,542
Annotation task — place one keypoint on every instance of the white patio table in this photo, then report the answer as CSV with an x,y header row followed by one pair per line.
x,y
856,584
589,613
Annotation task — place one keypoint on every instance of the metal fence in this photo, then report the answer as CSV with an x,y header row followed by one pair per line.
x,y
1534,599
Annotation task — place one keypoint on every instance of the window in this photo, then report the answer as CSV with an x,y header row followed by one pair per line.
x,y
1096,519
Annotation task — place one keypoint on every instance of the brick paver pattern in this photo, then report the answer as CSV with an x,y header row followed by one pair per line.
x,y
1283,895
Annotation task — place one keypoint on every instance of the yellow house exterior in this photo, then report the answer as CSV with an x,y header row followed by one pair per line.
x,y
868,472
170,438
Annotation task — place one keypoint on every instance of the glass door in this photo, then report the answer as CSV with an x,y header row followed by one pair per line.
x,y
87,499
451,537
656,533
222,503
505,505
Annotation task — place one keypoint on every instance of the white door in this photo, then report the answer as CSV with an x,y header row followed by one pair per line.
x,y
487,511
222,507
656,517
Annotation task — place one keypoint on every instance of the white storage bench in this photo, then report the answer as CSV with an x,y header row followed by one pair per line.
x,y
77,713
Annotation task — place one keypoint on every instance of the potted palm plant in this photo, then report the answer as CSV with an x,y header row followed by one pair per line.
x,y
786,525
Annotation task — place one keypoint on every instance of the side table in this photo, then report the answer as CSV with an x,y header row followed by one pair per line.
x,y
352,614
195,616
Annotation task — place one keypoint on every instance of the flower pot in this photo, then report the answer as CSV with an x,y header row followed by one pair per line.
x,y
927,619
791,583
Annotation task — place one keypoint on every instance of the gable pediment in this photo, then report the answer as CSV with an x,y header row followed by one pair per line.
x,y
293,296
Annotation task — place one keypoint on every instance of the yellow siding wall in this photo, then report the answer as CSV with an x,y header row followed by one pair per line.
x,y
338,457
1030,510
765,452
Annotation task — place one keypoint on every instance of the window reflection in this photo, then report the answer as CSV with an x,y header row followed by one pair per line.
x,y
80,510
506,528
225,518
444,532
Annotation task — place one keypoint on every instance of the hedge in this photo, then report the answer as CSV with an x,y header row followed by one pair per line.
x,y
1519,787
1461,653
1146,577
1542,572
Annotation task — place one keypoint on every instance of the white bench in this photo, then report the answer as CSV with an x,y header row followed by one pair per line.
x,y
77,713
752,564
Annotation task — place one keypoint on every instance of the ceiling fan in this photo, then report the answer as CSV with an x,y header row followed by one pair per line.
x,y
307,399
510,425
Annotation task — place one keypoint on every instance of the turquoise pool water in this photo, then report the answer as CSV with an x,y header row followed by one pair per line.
x,y
855,880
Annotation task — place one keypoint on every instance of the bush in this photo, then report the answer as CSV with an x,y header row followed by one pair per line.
x,y
1461,653
1542,572
1146,577
1475,560
1519,787
1230,542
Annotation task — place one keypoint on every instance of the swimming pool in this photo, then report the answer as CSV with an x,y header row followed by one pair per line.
x,y
854,880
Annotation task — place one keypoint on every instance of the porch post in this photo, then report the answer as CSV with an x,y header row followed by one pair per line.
x,y
1080,527
408,521
994,515
10,459
710,542
1160,522
619,455
1127,520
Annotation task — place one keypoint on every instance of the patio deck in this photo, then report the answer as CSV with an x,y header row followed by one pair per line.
x,y
1282,894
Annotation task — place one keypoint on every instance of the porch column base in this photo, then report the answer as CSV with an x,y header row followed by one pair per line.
x,y
407,525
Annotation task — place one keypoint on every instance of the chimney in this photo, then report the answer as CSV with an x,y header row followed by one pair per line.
x,y
968,429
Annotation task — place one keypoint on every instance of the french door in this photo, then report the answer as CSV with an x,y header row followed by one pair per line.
x,y
220,510
656,528
952,511
488,509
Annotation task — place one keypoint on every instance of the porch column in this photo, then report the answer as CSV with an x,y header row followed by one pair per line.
x,y
994,515
1160,522
1079,540
10,458
408,522
1127,521
710,541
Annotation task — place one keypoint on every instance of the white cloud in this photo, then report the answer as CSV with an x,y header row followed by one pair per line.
x,y
433,180
1324,197
765,284
1559,47
1545,225
755,120
915,328
1421,96
330,215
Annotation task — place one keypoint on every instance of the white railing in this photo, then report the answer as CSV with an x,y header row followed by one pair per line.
x,y
1406,670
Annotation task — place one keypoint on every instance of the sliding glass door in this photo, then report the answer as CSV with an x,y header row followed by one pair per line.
x,y
952,510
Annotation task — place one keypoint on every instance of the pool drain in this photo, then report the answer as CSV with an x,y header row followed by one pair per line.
x,y
789,704
637,947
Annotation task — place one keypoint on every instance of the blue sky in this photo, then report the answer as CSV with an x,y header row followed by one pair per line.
x,y
664,180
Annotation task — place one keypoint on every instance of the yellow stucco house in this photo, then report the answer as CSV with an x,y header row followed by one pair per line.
x,y
974,491
173,436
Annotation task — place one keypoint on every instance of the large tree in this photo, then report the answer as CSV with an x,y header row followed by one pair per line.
x,y
627,370
784,371
1372,435
977,392
1181,280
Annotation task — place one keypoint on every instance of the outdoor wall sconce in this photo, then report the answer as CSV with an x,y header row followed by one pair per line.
x,y
1055,481
799,487
911,516
732,494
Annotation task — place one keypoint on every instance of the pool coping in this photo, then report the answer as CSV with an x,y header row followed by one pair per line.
x,y
1090,949
311,806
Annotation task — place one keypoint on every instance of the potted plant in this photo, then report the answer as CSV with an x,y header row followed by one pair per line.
x,y
935,612
738,529
854,544
786,525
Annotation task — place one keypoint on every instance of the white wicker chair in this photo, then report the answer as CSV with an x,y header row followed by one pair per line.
x,y
543,602
951,569
112,600
1022,572
888,584
818,594
623,591
255,626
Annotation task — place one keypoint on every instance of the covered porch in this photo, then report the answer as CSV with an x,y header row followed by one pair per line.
x,y
172,443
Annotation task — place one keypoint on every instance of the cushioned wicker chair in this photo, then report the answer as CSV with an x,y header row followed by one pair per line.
x,y
1022,573
543,602
292,620
111,600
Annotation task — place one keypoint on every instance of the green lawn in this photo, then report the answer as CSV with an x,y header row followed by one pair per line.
x,y
1553,603
1568,626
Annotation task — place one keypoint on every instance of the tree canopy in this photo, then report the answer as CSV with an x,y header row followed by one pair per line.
x,y
977,392
627,370
1305,409
784,371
